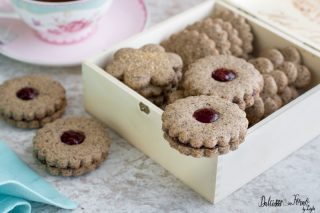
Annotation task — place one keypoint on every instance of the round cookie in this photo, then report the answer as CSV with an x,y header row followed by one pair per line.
x,y
263,65
256,111
31,101
71,146
202,126
215,32
270,87
288,94
241,25
290,70
280,78
273,55
304,77
190,46
291,54
224,76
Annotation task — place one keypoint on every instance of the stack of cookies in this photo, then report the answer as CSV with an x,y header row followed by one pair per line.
x,y
284,78
226,33
150,70
67,146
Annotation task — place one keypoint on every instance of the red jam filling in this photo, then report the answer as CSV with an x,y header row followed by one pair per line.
x,y
206,115
223,75
27,93
72,137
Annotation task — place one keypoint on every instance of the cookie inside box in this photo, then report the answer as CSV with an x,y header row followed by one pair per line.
x,y
138,120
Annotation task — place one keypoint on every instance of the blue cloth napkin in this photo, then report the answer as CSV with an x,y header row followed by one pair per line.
x,y
19,184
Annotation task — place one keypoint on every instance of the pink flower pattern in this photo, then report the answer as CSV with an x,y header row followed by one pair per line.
x,y
71,27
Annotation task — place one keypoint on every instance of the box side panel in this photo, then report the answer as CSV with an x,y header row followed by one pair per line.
x,y
119,107
269,143
281,133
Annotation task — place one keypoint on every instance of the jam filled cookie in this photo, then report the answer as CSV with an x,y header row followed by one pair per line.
x,y
202,126
71,146
31,101
224,76
191,46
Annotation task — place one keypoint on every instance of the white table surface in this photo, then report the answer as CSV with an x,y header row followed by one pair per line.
x,y
130,182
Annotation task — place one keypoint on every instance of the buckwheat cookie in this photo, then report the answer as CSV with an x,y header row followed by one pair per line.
x,y
271,104
270,87
233,36
31,101
149,65
280,78
215,32
71,146
288,94
291,54
274,55
190,45
241,25
256,111
289,68
263,65
304,77
202,126
224,76
175,95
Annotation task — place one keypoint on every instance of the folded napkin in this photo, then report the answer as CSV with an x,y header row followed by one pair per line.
x,y
19,184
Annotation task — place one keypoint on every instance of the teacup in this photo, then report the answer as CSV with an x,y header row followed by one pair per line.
x,y
63,22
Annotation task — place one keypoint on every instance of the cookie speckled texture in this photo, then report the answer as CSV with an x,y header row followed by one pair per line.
x,y
191,46
241,25
71,160
264,65
304,77
274,55
47,103
242,90
291,54
256,111
215,32
191,137
139,68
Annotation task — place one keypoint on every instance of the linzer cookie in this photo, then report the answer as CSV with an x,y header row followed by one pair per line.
x,y
202,126
31,101
191,46
224,76
215,32
150,70
71,146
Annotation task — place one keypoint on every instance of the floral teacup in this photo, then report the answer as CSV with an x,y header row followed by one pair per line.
x,y
63,22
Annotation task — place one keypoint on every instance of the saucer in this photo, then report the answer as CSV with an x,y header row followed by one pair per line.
x,y
123,19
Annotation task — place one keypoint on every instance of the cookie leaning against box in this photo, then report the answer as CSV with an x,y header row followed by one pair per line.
x,y
202,126
31,101
71,146
150,70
